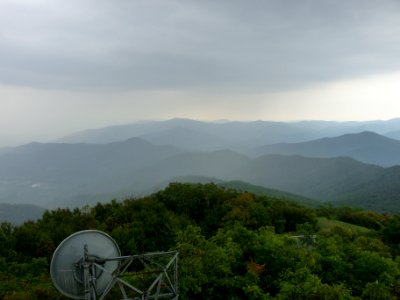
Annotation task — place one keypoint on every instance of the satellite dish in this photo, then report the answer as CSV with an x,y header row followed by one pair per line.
x,y
67,266
87,264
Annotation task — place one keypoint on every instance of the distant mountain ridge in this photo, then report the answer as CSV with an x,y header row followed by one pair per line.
x,y
238,136
393,134
19,213
366,146
221,135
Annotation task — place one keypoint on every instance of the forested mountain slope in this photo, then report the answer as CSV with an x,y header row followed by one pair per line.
x,y
231,244
38,173
381,194
320,178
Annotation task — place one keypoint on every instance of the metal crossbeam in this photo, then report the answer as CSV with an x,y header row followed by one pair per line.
x,y
164,286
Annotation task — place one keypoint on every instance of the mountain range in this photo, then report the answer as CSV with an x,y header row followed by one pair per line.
x,y
238,136
359,169
19,213
367,147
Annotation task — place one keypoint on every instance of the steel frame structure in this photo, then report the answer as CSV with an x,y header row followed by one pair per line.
x,y
164,286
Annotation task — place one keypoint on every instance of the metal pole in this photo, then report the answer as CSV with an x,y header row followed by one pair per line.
x,y
86,273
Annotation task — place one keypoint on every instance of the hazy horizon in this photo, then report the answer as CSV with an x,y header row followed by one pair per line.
x,y
56,138
73,65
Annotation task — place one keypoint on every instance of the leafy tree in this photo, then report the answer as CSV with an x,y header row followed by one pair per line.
x,y
377,291
302,284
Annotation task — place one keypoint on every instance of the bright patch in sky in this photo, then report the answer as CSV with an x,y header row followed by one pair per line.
x,y
369,98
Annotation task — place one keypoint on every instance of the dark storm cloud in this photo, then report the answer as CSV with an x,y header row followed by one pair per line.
x,y
261,45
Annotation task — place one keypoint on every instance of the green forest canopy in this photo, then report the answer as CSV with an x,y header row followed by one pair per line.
x,y
232,244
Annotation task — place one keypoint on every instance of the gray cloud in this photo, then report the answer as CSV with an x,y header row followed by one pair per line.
x,y
253,45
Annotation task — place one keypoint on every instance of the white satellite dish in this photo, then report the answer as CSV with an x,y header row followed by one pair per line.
x,y
87,264
67,264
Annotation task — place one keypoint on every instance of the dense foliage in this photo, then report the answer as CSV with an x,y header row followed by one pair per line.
x,y
232,245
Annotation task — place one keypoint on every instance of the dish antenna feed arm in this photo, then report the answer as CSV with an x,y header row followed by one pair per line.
x,y
93,271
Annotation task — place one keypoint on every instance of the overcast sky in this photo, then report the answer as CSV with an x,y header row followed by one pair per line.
x,y
75,64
